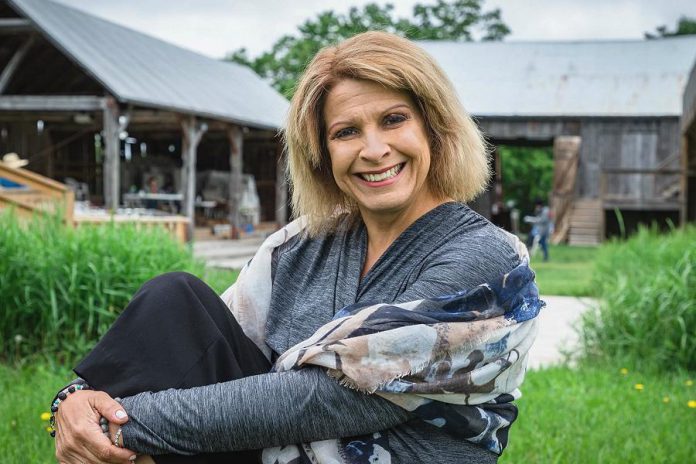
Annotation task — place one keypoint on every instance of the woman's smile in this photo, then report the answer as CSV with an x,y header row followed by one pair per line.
x,y
383,177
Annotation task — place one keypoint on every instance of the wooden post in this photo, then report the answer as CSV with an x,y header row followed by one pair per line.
x,y
192,134
236,139
281,197
684,179
112,160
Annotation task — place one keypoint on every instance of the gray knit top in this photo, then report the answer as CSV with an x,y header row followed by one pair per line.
x,y
448,249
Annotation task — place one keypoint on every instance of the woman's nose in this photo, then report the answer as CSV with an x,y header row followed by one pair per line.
x,y
375,147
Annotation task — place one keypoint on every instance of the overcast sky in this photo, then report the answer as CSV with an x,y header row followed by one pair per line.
x,y
214,27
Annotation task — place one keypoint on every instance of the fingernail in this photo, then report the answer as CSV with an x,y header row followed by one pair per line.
x,y
120,414
132,458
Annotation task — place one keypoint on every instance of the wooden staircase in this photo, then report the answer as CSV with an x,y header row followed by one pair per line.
x,y
37,194
586,223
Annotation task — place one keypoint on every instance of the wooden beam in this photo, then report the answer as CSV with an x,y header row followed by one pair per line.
x,y
14,62
684,180
112,160
236,139
15,25
51,103
192,134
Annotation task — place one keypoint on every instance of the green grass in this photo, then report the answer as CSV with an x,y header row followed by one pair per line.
x,y
594,414
26,394
567,272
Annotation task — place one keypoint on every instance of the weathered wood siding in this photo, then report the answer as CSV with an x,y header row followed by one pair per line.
x,y
607,143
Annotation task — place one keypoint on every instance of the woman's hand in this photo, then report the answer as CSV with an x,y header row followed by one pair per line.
x,y
79,437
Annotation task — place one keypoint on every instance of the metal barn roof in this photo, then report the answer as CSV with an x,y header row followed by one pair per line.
x,y
590,78
140,69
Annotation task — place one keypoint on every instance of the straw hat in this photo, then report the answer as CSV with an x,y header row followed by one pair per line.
x,y
12,160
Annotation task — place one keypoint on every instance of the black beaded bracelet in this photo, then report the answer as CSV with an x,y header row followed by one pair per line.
x,y
76,385
72,387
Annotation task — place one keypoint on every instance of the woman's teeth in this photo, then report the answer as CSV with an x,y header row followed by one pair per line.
x,y
383,175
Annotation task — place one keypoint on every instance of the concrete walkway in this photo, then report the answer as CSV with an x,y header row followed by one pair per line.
x,y
557,319
556,330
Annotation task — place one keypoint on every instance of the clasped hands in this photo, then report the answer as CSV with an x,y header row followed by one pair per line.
x,y
79,437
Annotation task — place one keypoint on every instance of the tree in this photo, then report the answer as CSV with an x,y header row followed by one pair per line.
x,y
527,175
459,20
685,26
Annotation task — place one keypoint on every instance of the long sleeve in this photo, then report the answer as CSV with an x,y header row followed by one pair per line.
x,y
253,412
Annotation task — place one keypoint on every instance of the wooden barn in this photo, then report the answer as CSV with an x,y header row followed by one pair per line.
x,y
107,108
610,110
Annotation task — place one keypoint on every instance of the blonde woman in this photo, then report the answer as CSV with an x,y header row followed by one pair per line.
x,y
378,285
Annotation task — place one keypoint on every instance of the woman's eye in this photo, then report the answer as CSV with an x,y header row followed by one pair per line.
x,y
394,119
345,132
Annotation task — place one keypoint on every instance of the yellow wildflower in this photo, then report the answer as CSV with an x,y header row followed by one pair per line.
x,y
45,416
639,386
624,371
665,399
689,383
691,404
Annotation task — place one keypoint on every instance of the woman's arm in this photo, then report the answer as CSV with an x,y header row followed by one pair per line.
x,y
254,412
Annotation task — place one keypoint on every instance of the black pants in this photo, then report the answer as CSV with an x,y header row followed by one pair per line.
x,y
175,333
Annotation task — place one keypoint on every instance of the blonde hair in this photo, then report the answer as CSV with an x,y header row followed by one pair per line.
x,y
459,166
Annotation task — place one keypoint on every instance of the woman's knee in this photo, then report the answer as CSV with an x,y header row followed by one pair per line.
x,y
172,281
178,291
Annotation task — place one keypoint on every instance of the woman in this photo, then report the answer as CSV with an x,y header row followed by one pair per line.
x,y
381,155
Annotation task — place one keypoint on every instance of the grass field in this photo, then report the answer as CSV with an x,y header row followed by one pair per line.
x,y
567,272
593,414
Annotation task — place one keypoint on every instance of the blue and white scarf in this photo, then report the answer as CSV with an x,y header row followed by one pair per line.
x,y
456,361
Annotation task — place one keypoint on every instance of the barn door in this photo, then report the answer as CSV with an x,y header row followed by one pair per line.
x,y
566,151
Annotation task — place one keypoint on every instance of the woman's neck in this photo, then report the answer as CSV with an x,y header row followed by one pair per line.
x,y
383,229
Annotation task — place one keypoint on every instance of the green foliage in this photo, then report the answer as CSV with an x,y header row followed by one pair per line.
x,y
287,59
685,26
594,414
647,287
527,175
61,288
568,271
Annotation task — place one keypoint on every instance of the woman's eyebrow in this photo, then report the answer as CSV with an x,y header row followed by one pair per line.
x,y
398,105
386,110
344,121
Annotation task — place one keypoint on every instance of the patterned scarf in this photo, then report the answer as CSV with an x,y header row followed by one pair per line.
x,y
455,361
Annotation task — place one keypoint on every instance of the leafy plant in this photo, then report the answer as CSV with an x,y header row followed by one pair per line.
x,y
647,287
61,288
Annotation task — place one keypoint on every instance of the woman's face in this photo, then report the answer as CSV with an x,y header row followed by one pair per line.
x,y
380,153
